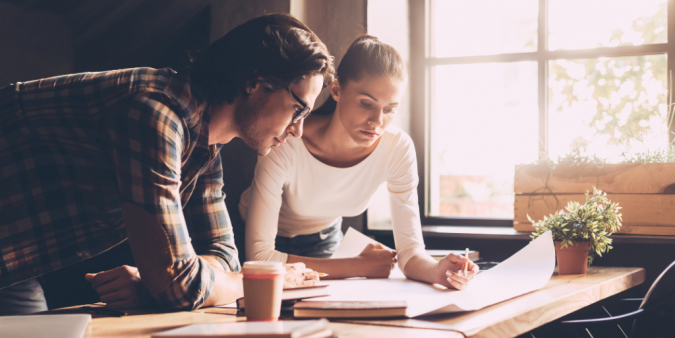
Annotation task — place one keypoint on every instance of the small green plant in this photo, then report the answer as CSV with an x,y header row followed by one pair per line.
x,y
593,222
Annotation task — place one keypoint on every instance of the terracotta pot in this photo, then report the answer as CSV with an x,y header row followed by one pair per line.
x,y
573,259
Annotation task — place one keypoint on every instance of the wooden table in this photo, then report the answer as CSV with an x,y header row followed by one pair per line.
x,y
561,296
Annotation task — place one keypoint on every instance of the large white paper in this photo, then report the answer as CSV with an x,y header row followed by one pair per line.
x,y
526,271
352,244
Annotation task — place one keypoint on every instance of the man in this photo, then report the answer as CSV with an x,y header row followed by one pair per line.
x,y
89,160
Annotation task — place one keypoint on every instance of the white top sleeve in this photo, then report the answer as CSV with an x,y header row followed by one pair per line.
x,y
262,216
403,202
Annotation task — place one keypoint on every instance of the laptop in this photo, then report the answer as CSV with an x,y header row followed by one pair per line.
x,y
37,326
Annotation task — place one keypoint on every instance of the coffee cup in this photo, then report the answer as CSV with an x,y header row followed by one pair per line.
x,y
263,285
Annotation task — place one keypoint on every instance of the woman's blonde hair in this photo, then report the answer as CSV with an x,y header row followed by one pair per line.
x,y
366,56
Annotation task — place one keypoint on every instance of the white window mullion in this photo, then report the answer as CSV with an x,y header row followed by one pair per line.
x,y
671,59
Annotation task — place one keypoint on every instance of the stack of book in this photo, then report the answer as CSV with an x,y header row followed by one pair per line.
x,y
290,296
350,309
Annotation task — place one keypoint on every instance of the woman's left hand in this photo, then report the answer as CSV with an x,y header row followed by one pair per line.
x,y
449,271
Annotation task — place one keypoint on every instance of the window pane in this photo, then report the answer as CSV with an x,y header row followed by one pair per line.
x,y
579,24
484,121
605,106
481,27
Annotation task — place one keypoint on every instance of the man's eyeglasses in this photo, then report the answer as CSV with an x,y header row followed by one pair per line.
x,y
306,109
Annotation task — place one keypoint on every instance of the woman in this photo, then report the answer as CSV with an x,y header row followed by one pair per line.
x,y
294,207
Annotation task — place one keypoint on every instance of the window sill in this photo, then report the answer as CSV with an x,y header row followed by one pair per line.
x,y
474,232
508,233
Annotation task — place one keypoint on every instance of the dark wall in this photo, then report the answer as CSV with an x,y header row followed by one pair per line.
x,y
33,44
156,34
227,14
44,38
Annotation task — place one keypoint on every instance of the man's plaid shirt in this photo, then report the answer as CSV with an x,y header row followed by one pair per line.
x,y
74,148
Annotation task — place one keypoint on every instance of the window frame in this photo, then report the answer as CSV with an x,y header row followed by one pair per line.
x,y
422,61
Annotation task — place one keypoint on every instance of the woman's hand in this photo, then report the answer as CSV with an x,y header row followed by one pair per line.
x,y
298,275
449,271
376,261
120,288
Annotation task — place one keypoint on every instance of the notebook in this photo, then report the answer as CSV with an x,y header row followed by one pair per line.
x,y
349,309
295,294
280,329
53,326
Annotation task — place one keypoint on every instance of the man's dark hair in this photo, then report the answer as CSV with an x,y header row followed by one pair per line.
x,y
275,47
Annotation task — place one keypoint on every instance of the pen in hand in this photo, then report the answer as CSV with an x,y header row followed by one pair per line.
x,y
466,264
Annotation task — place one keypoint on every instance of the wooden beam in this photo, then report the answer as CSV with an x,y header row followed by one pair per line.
x,y
644,214
623,178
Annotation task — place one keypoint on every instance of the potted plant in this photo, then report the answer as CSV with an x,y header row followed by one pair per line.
x,y
581,233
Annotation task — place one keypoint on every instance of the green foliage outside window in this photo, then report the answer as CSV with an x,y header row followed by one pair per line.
x,y
623,98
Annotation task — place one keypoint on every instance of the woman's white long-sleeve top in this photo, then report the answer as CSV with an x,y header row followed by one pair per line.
x,y
293,193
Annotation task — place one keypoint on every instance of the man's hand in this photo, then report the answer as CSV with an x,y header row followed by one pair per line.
x,y
298,275
120,288
376,261
449,271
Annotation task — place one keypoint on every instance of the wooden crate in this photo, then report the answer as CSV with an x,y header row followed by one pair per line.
x,y
646,193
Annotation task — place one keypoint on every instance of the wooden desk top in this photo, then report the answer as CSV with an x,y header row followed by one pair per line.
x,y
142,325
561,296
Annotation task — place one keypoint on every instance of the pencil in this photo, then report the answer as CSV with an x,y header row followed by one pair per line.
x,y
466,264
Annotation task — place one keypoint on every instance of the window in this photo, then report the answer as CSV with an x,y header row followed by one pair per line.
x,y
497,83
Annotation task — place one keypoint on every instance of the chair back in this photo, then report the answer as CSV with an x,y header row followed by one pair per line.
x,y
659,306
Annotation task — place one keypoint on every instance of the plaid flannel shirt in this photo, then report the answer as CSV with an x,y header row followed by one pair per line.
x,y
73,148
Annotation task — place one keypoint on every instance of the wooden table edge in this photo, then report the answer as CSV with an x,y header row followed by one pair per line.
x,y
632,279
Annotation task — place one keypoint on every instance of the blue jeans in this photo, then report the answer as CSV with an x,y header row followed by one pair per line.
x,y
22,298
63,287
319,245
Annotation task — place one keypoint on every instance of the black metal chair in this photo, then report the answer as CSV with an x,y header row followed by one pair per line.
x,y
655,316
